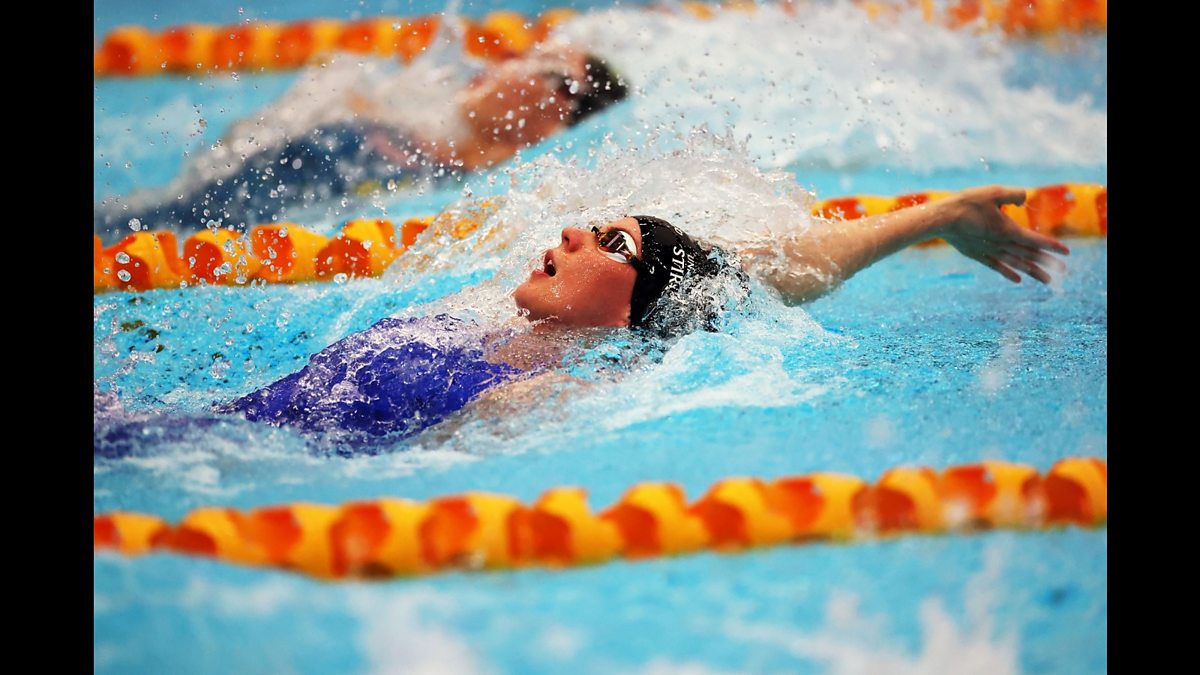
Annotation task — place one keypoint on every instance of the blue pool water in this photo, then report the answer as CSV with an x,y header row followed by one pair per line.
x,y
926,358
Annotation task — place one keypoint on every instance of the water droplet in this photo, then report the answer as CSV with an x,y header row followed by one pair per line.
x,y
122,257
124,275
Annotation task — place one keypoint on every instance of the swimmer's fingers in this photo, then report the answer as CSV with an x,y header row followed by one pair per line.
x,y
1034,238
1026,265
1005,271
1040,257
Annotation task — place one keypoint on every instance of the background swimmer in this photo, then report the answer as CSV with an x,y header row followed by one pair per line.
x,y
350,131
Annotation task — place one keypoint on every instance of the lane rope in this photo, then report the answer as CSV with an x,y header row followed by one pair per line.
x,y
194,48
290,253
389,537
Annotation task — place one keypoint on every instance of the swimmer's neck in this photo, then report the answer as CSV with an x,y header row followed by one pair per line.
x,y
544,344
527,351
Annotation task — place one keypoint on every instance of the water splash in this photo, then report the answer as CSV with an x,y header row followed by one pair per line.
x,y
832,88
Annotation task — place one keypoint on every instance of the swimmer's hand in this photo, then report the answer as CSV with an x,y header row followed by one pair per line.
x,y
804,263
976,226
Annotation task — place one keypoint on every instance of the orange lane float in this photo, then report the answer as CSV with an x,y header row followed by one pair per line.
x,y
135,51
289,253
379,538
398,537
993,493
129,533
364,248
653,519
818,505
564,531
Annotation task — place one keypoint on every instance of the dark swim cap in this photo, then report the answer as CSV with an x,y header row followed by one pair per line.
x,y
600,88
671,263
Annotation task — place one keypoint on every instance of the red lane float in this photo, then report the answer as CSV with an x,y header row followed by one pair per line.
x,y
389,537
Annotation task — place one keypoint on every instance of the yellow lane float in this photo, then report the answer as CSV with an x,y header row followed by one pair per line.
x,y
398,537
133,51
289,253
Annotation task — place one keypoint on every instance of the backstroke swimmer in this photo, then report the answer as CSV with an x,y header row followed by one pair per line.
x,y
636,273
347,132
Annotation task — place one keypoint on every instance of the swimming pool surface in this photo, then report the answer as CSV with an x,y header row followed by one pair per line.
x,y
924,359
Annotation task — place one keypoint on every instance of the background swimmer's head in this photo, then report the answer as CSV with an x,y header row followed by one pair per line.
x,y
531,97
599,88
578,284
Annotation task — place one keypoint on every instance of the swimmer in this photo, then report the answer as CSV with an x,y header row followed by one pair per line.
x,y
636,273
347,131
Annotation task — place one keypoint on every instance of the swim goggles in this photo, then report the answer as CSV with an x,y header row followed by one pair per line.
x,y
618,245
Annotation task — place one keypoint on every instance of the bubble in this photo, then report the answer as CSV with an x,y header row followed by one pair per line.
x,y
124,275
122,257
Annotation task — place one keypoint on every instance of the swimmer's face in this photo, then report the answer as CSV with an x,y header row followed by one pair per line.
x,y
520,100
576,284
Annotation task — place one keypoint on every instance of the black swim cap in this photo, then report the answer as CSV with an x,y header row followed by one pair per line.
x,y
672,263
601,88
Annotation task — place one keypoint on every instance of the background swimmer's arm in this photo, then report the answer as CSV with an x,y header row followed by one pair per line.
x,y
809,262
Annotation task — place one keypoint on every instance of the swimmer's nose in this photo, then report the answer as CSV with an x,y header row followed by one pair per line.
x,y
573,238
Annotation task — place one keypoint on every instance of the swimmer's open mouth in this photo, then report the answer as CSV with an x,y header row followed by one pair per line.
x,y
548,264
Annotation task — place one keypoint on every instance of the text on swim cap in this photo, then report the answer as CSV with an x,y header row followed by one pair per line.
x,y
680,266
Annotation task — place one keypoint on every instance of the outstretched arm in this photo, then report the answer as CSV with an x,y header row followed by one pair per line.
x,y
806,263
